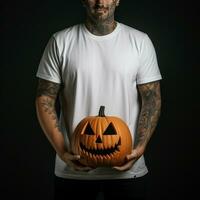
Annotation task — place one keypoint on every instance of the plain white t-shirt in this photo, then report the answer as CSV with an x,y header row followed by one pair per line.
x,y
99,70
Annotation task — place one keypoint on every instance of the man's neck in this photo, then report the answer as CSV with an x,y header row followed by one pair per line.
x,y
100,28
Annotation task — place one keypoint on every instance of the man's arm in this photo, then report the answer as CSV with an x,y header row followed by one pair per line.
x,y
148,119
149,115
46,112
45,106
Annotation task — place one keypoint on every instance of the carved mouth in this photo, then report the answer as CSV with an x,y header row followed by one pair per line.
x,y
102,152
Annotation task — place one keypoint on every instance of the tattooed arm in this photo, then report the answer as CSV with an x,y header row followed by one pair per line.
x,y
46,112
45,106
148,119
149,115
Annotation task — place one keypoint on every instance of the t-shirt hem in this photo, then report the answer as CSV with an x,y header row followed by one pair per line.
x,y
150,79
102,177
46,77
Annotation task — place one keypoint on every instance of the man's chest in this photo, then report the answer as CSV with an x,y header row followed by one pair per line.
x,y
97,59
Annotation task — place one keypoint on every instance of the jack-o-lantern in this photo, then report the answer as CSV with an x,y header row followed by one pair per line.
x,y
102,140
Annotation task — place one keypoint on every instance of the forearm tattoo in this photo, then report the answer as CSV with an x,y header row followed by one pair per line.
x,y
150,112
49,91
48,106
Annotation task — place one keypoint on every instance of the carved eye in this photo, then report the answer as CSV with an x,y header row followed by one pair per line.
x,y
110,130
88,130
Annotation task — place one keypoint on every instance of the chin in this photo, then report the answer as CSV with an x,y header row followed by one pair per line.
x,y
100,18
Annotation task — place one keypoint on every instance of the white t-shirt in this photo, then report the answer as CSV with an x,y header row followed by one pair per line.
x,y
95,71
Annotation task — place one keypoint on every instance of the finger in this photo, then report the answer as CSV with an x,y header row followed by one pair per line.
x,y
80,167
132,156
76,157
124,167
69,156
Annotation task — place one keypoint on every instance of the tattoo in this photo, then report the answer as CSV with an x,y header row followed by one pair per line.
x,y
97,25
49,91
47,88
150,112
100,28
48,105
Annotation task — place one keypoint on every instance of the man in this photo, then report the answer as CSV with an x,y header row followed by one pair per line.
x,y
99,62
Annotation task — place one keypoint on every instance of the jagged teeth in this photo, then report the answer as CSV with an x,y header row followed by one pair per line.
x,y
100,150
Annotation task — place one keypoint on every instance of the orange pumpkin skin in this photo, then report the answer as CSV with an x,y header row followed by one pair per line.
x,y
102,140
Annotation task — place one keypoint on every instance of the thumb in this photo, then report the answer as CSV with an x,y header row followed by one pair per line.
x,y
75,157
132,156
70,156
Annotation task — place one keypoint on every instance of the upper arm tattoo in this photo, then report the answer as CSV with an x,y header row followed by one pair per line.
x,y
47,88
150,111
150,92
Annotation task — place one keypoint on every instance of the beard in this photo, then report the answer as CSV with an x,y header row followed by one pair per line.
x,y
101,13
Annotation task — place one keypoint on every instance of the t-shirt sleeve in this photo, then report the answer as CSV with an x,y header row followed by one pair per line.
x,y
148,69
49,66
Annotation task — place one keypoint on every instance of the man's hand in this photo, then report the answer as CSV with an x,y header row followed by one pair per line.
x,y
73,162
130,159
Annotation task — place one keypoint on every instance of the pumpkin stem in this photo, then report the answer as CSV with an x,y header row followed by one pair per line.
x,y
101,111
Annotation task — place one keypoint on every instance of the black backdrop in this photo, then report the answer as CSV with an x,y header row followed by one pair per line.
x,y
27,160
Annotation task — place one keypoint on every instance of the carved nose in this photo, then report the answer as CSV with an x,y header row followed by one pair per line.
x,y
98,140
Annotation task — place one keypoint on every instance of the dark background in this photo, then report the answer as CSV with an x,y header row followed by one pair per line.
x,y
27,160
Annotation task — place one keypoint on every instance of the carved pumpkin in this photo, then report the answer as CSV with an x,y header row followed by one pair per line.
x,y
102,140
